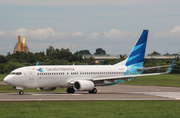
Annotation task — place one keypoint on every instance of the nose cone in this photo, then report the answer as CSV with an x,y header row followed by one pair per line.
x,y
8,80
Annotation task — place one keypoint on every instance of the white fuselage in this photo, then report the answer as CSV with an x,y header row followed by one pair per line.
x,y
61,76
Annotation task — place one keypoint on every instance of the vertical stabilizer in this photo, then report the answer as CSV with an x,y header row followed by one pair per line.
x,y
136,57
138,52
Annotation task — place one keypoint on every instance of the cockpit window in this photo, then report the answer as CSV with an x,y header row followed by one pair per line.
x,y
16,73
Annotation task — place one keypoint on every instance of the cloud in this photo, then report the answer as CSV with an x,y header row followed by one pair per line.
x,y
117,34
175,29
114,41
76,3
78,34
38,33
171,34
1,33
94,35
21,31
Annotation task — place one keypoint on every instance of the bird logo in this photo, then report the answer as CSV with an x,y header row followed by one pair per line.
x,y
40,70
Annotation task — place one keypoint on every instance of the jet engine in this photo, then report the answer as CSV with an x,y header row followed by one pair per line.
x,y
83,85
46,88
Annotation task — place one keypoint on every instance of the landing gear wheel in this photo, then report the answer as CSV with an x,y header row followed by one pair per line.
x,y
21,92
70,90
93,91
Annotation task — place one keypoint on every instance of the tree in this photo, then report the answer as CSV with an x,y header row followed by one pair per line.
x,y
40,56
77,56
167,54
49,50
123,56
84,52
175,54
100,51
89,61
154,54
31,57
3,59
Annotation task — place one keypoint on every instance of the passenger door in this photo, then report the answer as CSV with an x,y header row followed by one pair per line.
x,y
31,75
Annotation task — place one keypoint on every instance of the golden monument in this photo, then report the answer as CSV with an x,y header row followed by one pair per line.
x,y
21,47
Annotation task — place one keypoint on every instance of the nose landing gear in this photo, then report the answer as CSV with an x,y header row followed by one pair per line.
x,y
21,92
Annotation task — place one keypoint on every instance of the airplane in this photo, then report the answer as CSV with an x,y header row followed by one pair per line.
x,y
83,77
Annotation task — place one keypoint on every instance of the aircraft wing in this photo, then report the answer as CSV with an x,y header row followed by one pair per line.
x,y
148,68
124,77
133,76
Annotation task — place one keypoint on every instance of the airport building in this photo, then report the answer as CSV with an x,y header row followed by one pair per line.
x,y
21,46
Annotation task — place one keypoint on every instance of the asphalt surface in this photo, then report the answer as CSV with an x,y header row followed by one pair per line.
x,y
3,83
115,92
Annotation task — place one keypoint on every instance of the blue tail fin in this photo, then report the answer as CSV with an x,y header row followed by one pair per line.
x,y
137,54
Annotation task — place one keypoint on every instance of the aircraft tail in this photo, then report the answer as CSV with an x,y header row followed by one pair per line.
x,y
136,57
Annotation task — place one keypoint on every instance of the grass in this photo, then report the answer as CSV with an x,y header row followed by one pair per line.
x,y
172,80
2,76
90,109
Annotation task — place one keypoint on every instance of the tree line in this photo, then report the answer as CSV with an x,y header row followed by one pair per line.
x,y
62,56
51,57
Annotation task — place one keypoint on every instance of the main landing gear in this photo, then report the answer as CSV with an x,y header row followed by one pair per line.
x,y
70,90
21,92
93,91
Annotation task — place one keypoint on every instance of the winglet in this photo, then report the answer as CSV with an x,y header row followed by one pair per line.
x,y
37,63
170,68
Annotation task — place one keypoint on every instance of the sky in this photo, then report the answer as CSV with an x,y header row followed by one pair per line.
x,y
113,25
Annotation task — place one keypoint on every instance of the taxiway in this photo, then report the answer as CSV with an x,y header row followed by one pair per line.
x,y
116,92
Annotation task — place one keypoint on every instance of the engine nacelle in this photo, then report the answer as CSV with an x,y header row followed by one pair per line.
x,y
83,85
46,88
